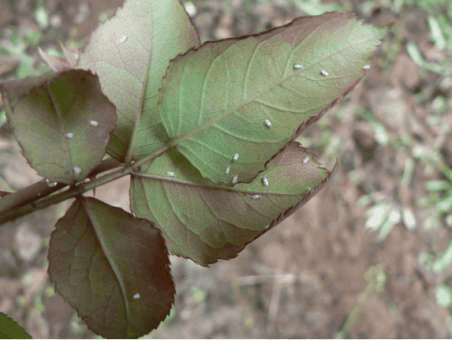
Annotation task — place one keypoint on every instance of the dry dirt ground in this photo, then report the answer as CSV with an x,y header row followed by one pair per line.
x,y
306,277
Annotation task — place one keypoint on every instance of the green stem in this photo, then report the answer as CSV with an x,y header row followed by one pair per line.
x,y
41,189
39,195
376,278
152,156
26,195
353,316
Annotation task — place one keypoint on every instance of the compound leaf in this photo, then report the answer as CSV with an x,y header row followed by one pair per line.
x,y
206,222
244,99
62,122
130,53
112,268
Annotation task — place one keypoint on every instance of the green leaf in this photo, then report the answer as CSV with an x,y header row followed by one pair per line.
x,y
9,329
206,222
130,53
251,96
112,268
62,122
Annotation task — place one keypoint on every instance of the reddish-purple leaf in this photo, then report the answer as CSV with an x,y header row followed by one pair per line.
x,y
207,222
112,268
62,122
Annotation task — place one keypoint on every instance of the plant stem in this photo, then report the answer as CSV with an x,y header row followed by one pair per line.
x,y
353,316
28,194
376,278
40,195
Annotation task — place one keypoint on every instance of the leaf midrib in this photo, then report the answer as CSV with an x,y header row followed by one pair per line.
x,y
143,96
110,261
61,126
161,178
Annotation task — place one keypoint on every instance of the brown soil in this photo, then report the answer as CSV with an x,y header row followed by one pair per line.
x,y
304,277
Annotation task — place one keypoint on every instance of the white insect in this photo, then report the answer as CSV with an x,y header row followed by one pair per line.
x,y
77,170
50,183
94,123
235,180
171,174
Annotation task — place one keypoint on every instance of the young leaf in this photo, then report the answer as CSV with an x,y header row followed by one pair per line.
x,y
62,122
9,329
130,53
251,96
207,222
112,268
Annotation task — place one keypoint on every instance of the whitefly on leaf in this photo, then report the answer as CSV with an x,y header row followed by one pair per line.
x,y
50,116
205,221
253,95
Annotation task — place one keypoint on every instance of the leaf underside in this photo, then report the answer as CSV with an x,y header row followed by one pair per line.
x,y
62,122
246,98
207,222
112,268
130,53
